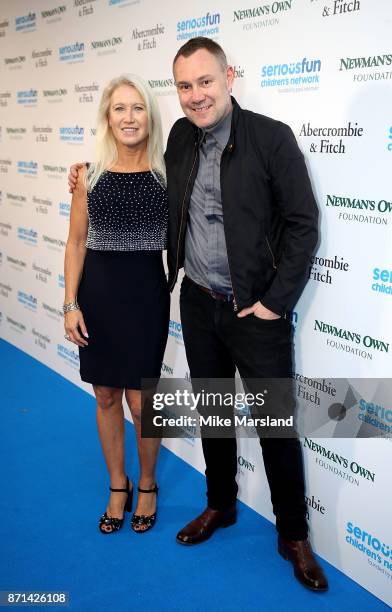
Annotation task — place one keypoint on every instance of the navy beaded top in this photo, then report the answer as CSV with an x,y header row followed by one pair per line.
x,y
127,211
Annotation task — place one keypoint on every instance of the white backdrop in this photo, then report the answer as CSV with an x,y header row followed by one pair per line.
x,y
324,67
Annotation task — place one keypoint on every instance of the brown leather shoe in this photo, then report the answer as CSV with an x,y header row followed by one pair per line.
x,y
202,527
306,569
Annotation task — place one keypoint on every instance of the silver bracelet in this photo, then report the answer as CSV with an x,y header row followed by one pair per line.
x,y
70,306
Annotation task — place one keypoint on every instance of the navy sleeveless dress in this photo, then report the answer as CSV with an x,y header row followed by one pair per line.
x,y
123,292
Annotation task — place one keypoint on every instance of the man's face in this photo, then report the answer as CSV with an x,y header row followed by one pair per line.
x,y
203,87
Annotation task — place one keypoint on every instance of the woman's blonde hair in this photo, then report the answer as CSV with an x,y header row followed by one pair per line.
x,y
106,154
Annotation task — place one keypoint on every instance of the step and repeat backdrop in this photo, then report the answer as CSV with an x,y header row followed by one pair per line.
x,y
322,66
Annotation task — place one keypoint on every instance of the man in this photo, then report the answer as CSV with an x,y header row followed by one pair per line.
x,y
243,224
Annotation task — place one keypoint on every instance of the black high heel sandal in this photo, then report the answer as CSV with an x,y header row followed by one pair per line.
x,y
147,521
111,521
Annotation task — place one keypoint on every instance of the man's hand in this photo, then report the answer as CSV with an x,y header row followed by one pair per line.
x,y
73,176
259,311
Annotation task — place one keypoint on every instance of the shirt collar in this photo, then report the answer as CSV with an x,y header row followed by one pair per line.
x,y
220,131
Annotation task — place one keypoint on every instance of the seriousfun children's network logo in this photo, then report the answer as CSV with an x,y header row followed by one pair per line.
x,y
64,209
28,236
68,355
74,134
26,23
30,301
294,76
27,97
383,281
72,53
175,331
207,25
370,546
30,168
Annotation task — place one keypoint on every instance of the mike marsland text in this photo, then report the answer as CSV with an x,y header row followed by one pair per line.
x,y
216,421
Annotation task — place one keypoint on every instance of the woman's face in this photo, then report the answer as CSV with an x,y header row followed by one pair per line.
x,y
128,116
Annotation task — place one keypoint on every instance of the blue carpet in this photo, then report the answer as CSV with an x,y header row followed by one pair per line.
x,y
54,488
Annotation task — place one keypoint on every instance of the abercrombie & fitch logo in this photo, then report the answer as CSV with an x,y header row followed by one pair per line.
x,y
330,265
147,38
341,7
325,145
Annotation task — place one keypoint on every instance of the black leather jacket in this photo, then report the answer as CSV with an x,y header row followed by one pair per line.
x,y
269,212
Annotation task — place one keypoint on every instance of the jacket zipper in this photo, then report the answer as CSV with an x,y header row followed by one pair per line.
x,y
182,218
272,255
235,306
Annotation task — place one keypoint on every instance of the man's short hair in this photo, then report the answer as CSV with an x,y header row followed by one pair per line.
x,y
202,42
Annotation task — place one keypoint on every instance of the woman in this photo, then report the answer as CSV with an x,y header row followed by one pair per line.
x,y
116,296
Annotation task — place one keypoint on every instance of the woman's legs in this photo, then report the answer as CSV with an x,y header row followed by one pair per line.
x,y
148,449
110,421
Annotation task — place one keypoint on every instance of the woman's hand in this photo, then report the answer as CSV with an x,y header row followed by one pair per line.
x,y
73,322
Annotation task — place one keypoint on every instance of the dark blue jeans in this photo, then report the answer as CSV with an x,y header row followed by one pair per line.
x,y
216,342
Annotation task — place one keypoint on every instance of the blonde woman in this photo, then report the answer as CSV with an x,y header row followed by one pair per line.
x,y
116,296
